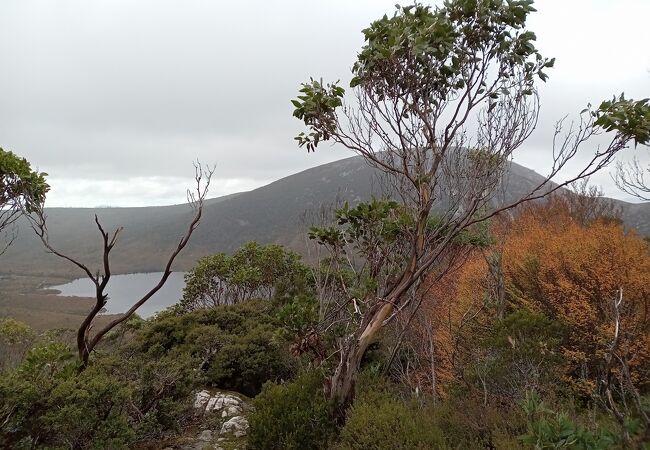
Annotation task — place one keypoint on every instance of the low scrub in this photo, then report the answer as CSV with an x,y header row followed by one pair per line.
x,y
291,416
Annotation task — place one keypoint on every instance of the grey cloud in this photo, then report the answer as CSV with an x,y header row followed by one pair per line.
x,y
113,90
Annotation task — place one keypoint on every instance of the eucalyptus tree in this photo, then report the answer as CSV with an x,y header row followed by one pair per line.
x,y
440,100
21,188
253,271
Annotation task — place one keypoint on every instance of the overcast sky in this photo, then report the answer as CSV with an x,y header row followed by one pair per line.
x,y
116,98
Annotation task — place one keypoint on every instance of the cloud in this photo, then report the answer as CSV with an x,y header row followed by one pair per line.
x,y
113,91
134,191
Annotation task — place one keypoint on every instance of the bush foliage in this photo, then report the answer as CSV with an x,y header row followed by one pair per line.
x,y
491,371
233,347
291,416
383,421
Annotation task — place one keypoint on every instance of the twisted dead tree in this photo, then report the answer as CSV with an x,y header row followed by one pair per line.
x,y
87,341
441,99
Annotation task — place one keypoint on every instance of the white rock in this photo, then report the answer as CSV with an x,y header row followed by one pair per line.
x,y
206,436
221,401
230,400
237,426
201,399
228,405
230,411
211,403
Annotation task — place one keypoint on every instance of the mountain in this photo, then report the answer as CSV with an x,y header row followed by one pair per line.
x,y
280,212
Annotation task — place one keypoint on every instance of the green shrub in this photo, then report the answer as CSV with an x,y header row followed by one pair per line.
x,y
161,390
253,271
467,423
15,339
116,401
518,354
556,430
88,411
46,404
380,420
234,347
246,362
291,416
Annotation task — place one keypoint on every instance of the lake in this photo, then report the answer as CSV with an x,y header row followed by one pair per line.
x,y
124,290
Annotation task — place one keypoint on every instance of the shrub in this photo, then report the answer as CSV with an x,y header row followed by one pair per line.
x,y
253,271
552,429
234,347
379,419
291,416
520,353
15,339
247,361
114,402
87,411
44,403
160,390
467,423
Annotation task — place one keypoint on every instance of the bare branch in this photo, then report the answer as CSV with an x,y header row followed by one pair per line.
x,y
631,179
85,343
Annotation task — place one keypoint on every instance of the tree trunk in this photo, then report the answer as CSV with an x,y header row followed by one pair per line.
x,y
83,347
341,389
342,383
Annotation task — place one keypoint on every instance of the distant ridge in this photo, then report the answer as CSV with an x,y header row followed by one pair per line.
x,y
272,213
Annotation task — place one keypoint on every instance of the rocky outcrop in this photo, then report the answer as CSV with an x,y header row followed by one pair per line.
x,y
227,405
238,426
226,414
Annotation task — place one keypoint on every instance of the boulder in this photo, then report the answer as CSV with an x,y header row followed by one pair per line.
x,y
238,426
230,411
205,436
201,399
228,405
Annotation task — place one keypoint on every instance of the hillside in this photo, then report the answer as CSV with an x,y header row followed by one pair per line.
x,y
279,212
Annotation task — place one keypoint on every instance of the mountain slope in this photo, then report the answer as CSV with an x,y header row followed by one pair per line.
x,y
279,212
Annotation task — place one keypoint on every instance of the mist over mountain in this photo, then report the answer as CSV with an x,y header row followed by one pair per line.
x,y
280,212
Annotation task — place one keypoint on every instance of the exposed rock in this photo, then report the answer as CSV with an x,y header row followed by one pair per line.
x,y
230,411
201,399
238,426
230,405
206,436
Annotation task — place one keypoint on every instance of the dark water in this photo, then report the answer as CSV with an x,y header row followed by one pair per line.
x,y
124,290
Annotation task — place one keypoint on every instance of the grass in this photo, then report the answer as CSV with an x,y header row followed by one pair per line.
x,y
24,298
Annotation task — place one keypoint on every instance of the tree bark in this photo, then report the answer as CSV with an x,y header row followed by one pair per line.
x,y
341,391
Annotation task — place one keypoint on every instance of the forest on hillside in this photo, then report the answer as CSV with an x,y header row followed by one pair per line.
x,y
429,317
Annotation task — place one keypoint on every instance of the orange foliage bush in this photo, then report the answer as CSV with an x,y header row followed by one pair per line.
x,y
572,274
552,265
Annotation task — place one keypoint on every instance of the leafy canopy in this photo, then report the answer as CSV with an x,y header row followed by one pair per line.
x,y
422,56
425,57
20,186
253,271
631,118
